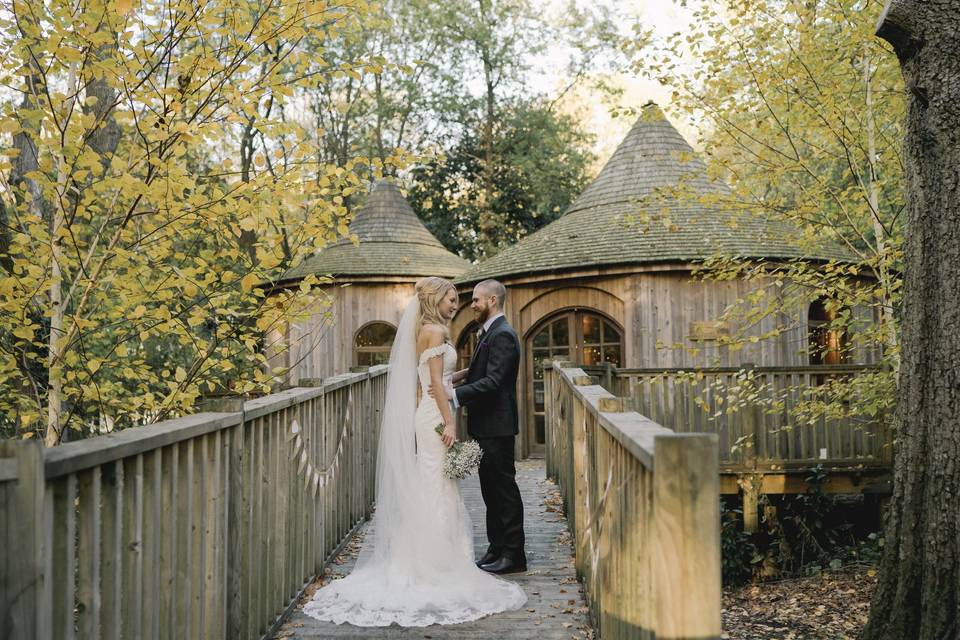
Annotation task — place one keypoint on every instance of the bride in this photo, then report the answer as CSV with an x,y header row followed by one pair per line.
x,y
416,565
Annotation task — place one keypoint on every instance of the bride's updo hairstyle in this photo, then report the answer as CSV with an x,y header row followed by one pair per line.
x,y
430,291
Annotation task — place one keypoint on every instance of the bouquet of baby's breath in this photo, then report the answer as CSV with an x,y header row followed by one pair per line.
x,y
461,459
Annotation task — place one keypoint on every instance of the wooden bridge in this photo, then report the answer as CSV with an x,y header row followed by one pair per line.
x,y
214,525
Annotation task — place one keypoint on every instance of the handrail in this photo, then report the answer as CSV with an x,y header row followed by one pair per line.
x,y
765,417
206,526
825,369
643,506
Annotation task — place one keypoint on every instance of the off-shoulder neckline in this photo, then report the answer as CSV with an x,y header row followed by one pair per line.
x,y
435,350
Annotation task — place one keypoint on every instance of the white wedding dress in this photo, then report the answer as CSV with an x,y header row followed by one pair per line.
x,y
416,566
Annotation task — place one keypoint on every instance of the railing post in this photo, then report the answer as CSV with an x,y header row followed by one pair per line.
x,y
228,403
686,537
22,502
549,436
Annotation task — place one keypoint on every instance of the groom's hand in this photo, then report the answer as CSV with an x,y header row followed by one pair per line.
x,y
447,389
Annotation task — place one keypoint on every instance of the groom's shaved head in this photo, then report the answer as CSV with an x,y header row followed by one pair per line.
x,y
488,299
494,288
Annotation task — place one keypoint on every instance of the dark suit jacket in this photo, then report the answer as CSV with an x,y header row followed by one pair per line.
x,y
490,392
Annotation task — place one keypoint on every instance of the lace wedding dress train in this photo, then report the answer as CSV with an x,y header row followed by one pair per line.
x,y
416,566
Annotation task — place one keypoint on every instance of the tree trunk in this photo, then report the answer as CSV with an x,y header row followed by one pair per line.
x,y
487,221
918,594
55,342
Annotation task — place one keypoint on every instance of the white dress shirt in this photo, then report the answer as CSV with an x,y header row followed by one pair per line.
x,y
451,392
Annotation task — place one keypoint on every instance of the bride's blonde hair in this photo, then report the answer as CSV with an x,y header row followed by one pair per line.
x,y
430,291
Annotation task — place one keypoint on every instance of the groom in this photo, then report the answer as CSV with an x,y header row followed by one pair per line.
x,y
490,393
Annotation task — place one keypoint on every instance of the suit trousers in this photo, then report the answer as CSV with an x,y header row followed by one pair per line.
x,y
501,495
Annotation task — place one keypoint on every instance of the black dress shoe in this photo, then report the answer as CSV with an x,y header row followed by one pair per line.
x,y
487,558
504,565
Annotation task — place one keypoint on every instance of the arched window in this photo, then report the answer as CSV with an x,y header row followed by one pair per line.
x,y
372,344
827,345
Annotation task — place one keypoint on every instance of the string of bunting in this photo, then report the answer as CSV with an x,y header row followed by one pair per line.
x,y
313,478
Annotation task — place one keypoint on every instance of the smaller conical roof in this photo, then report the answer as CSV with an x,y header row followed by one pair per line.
x,y
393,242
652,202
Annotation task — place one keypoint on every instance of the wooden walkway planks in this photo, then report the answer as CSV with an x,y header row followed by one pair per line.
x,y
555,608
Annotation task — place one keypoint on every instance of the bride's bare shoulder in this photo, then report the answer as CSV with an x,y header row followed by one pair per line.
x,y
431,335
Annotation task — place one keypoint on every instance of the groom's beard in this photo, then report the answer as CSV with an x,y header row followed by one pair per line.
x,y
482,315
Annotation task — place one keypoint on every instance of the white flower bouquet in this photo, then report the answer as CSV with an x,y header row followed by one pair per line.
x,y
461,459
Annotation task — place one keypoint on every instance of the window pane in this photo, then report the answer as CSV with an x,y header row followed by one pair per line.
x,y
591,329
610,333
561,335
538,396
379,357
364,359
378,334
538,359
542,339
611,354
591,355
539,431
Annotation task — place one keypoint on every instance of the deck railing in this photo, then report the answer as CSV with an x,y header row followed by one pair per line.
x,y
755,413
643,504
206,526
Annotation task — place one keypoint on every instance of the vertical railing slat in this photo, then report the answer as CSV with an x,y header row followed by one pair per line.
x,y
64,550
132,594
112,549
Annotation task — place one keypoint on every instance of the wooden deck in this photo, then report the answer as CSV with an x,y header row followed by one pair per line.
x,y
555,608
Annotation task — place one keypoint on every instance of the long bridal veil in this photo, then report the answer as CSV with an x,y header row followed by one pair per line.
x,y
399,509
415,566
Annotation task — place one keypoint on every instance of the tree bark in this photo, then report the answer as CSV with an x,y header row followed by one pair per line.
x,y
55,341
487,218
918,594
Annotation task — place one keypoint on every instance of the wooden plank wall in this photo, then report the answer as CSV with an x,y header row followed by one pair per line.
x,y
642,503
322,344
207,526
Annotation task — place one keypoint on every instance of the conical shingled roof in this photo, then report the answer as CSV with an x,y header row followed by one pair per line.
x,y
393,241
609,224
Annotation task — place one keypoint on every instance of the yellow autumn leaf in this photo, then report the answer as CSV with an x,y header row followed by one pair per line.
x,y
247,282
124,7
181,374
24,332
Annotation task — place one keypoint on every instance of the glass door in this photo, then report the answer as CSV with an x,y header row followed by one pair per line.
x,y
583,337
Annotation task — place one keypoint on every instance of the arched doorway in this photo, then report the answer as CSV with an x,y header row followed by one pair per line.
x,y
583,336
466,343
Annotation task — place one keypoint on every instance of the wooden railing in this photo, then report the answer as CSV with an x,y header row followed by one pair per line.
x,y
643,506
207,526
754,412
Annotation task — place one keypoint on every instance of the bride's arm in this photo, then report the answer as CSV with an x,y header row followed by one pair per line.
x,y
433,337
